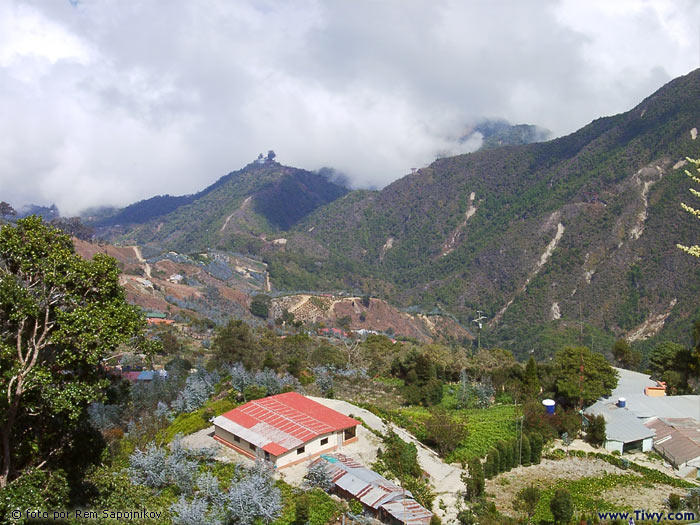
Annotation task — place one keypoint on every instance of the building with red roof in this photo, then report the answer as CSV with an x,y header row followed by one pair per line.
x,y
285,429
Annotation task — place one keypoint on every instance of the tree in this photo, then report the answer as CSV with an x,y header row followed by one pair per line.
x,y
474,480
254,497
443,431
595,433
59,315
493,464
536,445
562,506
527,499
599,378
271,155
234,342
6,210
301,510
695,177
260,305
624,356
525,451
74,227
531,382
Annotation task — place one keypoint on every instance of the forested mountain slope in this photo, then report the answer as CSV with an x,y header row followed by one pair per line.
x,y
236,212
539,236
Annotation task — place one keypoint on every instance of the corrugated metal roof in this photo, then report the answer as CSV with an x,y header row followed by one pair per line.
x,y
620,424
408,511
678,440
668,407
283,422
374,490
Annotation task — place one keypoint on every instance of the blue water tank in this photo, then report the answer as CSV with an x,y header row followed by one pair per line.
x,y
549,405
622,402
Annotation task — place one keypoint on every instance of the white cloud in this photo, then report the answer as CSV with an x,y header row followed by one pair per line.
x,y
110,101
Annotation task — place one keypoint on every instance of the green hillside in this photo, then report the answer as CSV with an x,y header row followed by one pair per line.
x,y
235,213
606,197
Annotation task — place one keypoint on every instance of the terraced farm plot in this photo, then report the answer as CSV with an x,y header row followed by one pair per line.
x,y
486,428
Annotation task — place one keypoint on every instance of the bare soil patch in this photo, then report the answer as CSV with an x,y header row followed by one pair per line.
x,y
504,487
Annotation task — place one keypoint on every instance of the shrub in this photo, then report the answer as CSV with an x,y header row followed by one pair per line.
x,y
41,490
536,445
474,480
674,502
192,512
562,506
526,453
444,432
527,500
595,432
318,476
254,497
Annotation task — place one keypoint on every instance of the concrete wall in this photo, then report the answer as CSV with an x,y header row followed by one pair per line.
x,y
311,448
613,446
241,446
647,444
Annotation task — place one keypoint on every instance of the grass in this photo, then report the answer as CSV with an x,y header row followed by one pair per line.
x,y
486,427
193,421
322,508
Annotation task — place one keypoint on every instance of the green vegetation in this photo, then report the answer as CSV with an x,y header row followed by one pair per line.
x,y
187,423
399,460
59,316
485,428
321,508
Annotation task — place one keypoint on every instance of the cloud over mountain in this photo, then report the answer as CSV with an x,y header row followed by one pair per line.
x,y
109,102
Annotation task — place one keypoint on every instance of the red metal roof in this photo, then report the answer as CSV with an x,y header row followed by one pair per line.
x,y
290,414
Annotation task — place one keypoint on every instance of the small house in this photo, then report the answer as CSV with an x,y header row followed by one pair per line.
x,y
285,429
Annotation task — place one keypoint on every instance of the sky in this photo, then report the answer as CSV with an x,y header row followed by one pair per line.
x,y
106,102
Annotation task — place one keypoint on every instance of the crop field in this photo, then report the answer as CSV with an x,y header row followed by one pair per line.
x,y
486,427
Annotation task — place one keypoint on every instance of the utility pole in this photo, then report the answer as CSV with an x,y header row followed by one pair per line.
x,y
480,318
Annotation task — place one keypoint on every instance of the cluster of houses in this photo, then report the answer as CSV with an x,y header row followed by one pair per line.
x,y
639,416
288,429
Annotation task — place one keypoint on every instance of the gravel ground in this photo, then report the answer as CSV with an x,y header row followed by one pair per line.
x,y
504,487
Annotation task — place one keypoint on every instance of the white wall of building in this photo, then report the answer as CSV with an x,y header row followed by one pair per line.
x,y
612,446
312,448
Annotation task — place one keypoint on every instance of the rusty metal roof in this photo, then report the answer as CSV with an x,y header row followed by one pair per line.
x,y
678,440
374,490
408,511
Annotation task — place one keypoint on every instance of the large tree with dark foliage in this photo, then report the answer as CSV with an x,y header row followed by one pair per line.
x,y
583,374
59,315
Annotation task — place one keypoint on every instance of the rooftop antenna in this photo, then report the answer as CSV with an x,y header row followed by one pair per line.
x,y
479,322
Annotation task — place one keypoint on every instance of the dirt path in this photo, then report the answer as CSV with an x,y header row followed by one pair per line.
x,y
146,266
234,213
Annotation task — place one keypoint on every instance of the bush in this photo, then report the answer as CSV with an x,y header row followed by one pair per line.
x,y
527,500
526,453
254,497
674,502
595,432
474,480
40,490
444,432
536,445
562,506
318,476
493,464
